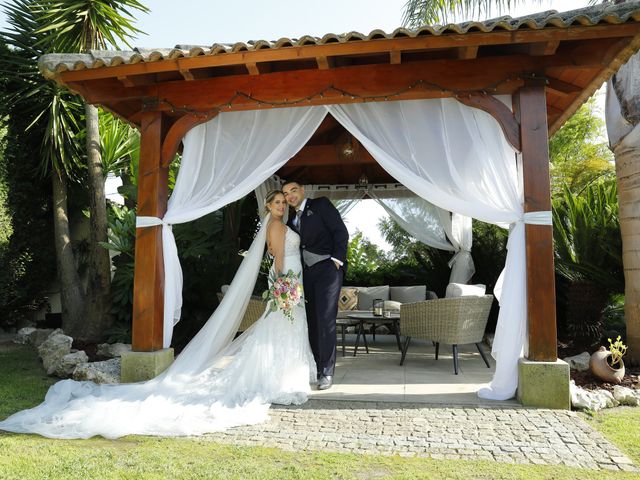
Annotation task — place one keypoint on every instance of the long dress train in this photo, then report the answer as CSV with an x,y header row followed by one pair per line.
x,y
202,391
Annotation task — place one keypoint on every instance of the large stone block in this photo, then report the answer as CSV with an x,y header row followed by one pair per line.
x,y
139,366
544,384
53,349
99,372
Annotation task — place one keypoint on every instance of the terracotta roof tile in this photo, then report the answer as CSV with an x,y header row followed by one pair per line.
x,y
52,64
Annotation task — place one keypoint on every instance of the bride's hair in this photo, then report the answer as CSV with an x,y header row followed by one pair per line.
x,y
269,198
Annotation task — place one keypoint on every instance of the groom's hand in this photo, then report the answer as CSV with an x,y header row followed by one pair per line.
x,y
335,262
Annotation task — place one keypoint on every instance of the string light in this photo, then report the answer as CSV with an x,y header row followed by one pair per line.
x,y
153,104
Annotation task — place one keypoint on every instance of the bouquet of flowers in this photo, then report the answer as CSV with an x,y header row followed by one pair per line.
x,y
284,294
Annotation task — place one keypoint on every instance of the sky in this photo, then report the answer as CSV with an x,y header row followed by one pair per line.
x,y
205,22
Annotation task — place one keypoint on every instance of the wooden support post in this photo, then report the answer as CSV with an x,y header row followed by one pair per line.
x,y
541,298
148,286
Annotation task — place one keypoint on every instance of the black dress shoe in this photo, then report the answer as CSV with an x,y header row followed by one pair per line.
x,y
325,382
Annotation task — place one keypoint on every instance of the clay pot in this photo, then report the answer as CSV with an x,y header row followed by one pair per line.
x,y
600,367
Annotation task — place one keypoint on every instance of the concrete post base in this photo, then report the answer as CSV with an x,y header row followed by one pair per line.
x,y
140,366
544,384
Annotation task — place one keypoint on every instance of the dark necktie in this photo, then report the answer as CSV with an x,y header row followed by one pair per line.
x,y
299,220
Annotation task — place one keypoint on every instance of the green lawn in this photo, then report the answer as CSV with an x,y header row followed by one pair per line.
x,y
23,384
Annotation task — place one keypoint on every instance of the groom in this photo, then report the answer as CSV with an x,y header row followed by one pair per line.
x,y
323,245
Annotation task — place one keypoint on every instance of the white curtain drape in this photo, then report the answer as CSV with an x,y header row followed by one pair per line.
x,y
417,217
461,237
223,160
437,228
457,158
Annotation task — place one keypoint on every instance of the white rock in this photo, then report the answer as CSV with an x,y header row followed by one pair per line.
x,y
626,396
53,349
23,337
112,350
69,362
99,372
42,334
579,362
591,400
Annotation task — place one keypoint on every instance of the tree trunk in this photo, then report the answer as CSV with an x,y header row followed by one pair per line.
x,y
623,128
98,298
71,294
628,174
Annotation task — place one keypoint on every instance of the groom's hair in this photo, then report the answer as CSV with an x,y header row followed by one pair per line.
x,y
287,182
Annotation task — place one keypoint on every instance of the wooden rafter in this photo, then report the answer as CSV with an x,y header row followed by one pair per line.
x,y
466,53
544,48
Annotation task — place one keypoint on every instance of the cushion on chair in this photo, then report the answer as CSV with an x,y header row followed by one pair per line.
x,y
366,296
348,299
391,306
462,290
416,293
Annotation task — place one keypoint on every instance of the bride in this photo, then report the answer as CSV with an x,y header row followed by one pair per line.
x,y
204,390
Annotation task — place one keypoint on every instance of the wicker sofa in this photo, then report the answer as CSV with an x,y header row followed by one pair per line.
x,y
360,299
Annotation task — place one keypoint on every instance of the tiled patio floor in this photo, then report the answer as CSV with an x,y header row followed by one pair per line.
x,y
378,376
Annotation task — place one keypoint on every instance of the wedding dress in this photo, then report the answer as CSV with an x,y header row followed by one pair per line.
x,y
203,391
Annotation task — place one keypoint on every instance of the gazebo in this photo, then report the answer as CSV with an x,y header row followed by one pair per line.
x,y
548,63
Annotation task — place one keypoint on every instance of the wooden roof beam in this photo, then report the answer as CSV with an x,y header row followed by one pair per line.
x,y
553,110
255,68
126,81
467,53
544,48
562,88
325,63
395,57
187,74
130,81
329,155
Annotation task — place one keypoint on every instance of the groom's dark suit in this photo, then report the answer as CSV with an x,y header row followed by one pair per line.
x,y
322,232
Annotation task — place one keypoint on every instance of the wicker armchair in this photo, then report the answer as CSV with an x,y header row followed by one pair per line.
x,y
254,311
455,321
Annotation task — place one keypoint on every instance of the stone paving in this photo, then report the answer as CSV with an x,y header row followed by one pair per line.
x,y
511,435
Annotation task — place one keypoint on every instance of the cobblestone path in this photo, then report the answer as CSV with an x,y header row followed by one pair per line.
x,y
517,435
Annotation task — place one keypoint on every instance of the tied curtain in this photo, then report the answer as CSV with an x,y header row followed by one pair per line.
x,y
451,155
437,228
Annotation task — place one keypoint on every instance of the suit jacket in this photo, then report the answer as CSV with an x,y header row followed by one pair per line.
x,y
323,231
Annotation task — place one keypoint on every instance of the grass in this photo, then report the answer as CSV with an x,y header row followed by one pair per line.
x,y
621,426
23,384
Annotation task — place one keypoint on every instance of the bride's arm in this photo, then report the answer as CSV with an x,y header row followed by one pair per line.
x,y
275,244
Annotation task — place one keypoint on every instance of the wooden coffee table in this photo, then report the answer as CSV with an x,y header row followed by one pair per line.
x,y
367,317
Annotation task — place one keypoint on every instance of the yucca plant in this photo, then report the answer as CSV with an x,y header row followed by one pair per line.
x,y
588,249
119,142
54,115
82,26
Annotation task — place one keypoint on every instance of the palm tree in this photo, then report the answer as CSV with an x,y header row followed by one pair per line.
x,y
54,114
427,12
82,26
623,127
